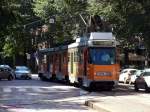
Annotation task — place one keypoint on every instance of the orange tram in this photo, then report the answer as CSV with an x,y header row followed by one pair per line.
x,y
91,62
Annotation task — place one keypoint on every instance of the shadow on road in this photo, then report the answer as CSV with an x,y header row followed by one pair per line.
x,y
121,90
42,96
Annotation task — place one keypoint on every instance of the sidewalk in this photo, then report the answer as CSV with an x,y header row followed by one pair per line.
x,y
128,103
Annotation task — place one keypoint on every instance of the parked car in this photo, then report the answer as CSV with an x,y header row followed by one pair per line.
x,y
9,69
143,81
22,72
6,73
135,75
125,75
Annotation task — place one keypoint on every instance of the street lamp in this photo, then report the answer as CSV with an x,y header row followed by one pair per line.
x,y
51,20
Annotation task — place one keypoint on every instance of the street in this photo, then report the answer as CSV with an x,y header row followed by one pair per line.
x,y
89,44
38,96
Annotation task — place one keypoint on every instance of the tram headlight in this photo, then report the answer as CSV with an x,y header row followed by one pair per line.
x,y
103,73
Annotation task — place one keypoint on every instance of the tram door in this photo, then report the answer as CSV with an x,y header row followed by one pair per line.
x,y
85,61
60,61
71,63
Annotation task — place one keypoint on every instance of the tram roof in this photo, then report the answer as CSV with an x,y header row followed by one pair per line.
x,y
83,41
79,42
101,36
46,50
94,36
63,47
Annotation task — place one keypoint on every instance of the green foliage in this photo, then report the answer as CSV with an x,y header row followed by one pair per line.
x,y
119,13
13,44
13,15
66,13
129,18
9,19
8,48
9,15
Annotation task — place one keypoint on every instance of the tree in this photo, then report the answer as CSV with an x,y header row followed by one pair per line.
x,y
14,37
68,23
128,18
9,23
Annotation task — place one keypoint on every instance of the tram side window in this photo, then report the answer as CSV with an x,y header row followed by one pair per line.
x,y
60,61
78,56
51,59
75,56
81,56
63,58
48,64
68,57
45,59
72,62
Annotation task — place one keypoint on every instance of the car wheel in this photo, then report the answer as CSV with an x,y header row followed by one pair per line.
x,y
10,78
29,78
26,77
15,77
147,89
136,87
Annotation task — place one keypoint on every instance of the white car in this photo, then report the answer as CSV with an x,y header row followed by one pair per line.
x,y
135,75
126,74
143,81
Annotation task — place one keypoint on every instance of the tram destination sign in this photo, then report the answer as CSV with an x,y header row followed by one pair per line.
x,y
104,43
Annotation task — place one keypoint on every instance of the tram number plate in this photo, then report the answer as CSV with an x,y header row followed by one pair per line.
x,y
103,73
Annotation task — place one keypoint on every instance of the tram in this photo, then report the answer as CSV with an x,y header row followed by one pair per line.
x,y
91,61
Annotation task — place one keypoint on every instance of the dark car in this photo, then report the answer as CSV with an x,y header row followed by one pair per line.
x,y
9,69
143,81
6,73
22,72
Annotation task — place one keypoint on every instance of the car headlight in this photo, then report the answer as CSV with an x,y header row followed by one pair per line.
x,y
103,73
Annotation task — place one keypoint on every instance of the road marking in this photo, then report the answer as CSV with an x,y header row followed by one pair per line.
x,y
21,89
37,90
7,90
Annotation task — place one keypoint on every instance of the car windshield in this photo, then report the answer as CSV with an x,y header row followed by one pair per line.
x,y
22,69
102,56
132,72
124,71
146,73
138,72
4,66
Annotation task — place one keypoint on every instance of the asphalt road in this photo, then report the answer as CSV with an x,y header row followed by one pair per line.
x,y
38,96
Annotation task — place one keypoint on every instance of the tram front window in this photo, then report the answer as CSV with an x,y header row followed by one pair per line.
x,y
102,56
